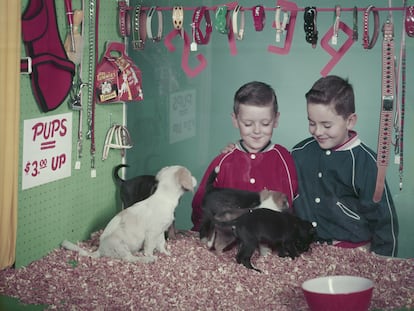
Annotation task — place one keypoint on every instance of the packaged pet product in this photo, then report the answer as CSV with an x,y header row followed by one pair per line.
x,y
118,79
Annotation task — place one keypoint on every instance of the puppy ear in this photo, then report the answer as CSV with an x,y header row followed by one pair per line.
x,y
185,179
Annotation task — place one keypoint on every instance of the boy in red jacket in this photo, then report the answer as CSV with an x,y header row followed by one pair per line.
x,y
255,163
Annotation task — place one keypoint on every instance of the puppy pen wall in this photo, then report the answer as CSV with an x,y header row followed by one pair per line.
x,y
185,115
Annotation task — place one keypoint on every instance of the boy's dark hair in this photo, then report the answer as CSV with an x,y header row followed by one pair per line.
x,y
255,94
335,91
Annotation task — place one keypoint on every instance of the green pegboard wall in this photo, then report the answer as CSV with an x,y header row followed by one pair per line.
x,y
73,207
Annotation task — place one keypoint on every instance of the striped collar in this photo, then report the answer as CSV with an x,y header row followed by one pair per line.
x,y
352,141
241,146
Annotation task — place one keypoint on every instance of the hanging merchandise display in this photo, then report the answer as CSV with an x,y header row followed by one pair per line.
x,y
387,105
117,137
92,60
124,19
150,14
409,20
51,72
368,43
118,79
310,26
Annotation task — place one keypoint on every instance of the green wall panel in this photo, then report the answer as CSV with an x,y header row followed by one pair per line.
x,y
73,207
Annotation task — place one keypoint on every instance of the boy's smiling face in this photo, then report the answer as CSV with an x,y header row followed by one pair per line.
x,y
327,127
256,125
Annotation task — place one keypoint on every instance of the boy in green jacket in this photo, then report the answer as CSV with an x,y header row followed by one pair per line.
x,y
337,175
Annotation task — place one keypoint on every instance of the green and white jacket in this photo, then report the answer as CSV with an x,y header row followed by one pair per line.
x,y
335,190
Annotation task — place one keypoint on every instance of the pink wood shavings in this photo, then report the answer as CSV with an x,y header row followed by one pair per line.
x,y
194,278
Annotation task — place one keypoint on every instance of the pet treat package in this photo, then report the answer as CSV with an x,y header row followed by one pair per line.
x,y
118,79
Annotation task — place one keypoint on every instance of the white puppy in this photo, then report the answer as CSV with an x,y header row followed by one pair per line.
x,y
143,224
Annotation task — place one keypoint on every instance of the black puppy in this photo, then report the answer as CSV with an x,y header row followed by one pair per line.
x,y
135,189
221,200
284,231
218,200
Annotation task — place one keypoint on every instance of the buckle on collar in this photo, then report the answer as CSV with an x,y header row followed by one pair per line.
x,y
26,65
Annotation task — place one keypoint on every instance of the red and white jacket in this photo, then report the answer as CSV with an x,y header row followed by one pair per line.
x,y
272,168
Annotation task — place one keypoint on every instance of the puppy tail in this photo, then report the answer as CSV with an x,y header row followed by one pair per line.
x,y
211,178
73,247
118,179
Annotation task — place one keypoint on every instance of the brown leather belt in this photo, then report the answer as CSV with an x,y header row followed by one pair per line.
x,y
387,103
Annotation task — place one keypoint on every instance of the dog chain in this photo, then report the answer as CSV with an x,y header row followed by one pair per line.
x,y
92,60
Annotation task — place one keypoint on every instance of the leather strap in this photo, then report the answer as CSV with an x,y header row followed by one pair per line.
x,y
259,17
139,32
355,23
337,19
200,13
311,32
150,14
385,126
238,33
124,19
221,20
280,25
178,17
366,43
409,21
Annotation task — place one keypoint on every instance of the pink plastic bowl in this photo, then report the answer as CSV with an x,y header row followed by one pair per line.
x,y
338,293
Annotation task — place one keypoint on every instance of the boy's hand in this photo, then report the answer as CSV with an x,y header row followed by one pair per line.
x,y
228,148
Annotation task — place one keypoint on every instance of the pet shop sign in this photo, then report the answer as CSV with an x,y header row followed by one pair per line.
x,y
182,115
47,150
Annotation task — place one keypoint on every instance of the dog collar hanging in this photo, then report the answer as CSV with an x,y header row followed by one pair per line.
x,y
150,14
280,26
409,21
259,17
366,43
387,89
178,17
139,33
221,19
124,19
198,37
311,32
355,23
337,19
238,33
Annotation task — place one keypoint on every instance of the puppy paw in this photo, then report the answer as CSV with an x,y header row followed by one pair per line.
x,y
264,250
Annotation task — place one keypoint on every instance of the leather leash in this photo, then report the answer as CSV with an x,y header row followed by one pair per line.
x,y
400,102
387,103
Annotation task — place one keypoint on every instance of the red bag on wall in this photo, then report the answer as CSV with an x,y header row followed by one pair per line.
x,y
118,79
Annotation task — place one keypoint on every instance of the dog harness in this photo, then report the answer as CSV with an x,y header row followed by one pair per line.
x,y
51,71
